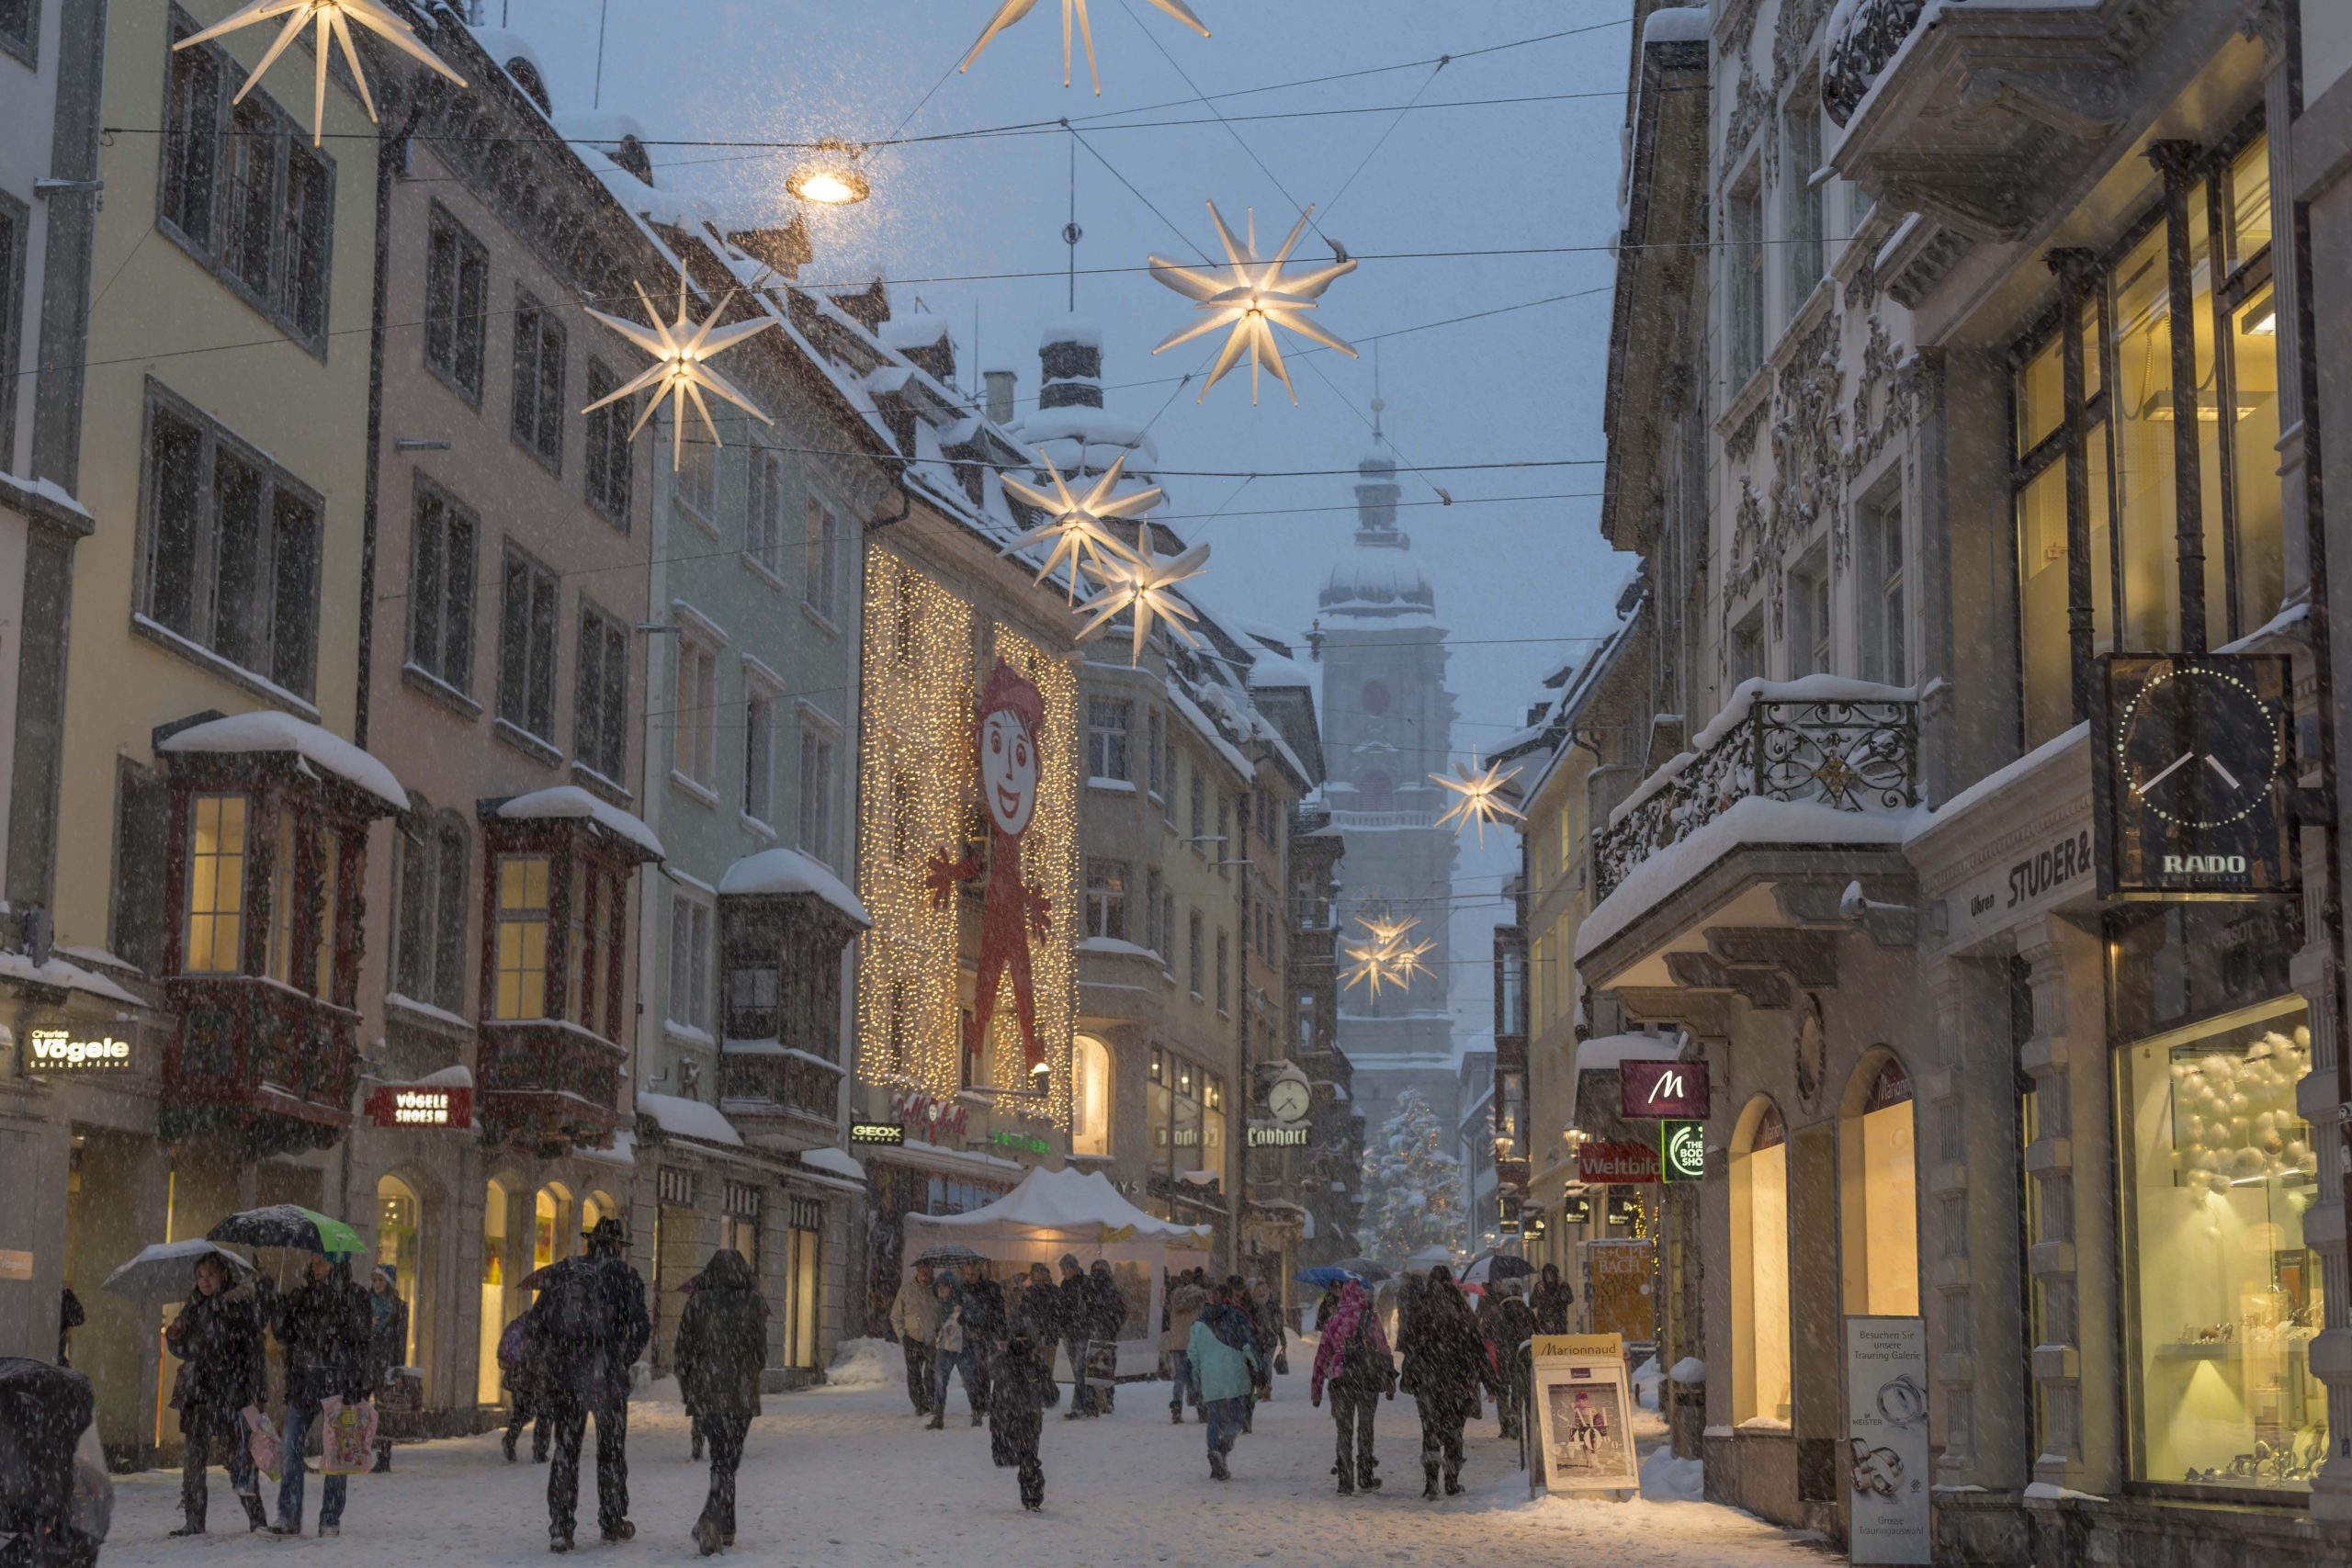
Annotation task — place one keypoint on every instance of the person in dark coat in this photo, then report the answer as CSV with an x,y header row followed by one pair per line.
x,y
1510,1325
1074,1319
520,1362
1266,1330
1551,1301
1037,1316
985,1327
1353,1363
1110,1320
323,1325
216,1337
70,1317
387,1345
590,1326
1018,1394
722,1349
1446,1366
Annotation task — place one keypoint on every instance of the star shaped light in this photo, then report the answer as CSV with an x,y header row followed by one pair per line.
x,y
1078,527
1142,582
333,19
1013,11
1388,958
1253,300
1481,802
681,367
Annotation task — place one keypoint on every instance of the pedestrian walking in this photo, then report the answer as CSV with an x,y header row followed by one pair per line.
x,y
1076,1303
1019,1392
1446,1366
951,1350
1038,1317
1510,1328
387,1345
589,1325
1266,1332
1108,1321
1222,1357
915,1319
1184,1304
984,1328
324,1327
722,1349
1551,1301
216,1337
70,1317
520,1363
1353,1363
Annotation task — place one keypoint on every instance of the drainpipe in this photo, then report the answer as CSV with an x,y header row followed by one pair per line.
x,y
389,153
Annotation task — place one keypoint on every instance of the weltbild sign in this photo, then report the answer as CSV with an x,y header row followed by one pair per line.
x,y
1662,1090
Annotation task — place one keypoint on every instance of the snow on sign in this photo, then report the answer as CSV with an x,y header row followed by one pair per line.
x,y
1653,1090
1613,1162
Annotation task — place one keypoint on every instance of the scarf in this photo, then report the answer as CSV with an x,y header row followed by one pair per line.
x,y
381,1303
1354,1309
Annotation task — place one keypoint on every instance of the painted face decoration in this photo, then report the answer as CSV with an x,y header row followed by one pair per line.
x,y
1008,772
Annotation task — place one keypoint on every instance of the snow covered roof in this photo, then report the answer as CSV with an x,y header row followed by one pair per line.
x,y
916,329
1366,586
20,967
266,730
1272,671
570,800
834,1162
1604,1054
782,871
1060,1205
1078,437
689,1119
1082,331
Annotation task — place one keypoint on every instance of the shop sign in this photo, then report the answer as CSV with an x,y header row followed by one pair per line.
x,y
1584,1413
15,1264
1507,1212
1574,1211
1886,1440
1602,1163
2022,889
2190,761
1019,1142
1682,1150
419,1105
1264,1137
1624,1207
876,1132
56,1051
1648,1090
932,1120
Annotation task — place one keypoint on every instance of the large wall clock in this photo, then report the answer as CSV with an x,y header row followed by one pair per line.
x,y
2192,768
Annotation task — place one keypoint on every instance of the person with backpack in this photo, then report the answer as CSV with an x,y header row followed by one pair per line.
x,y
1551,1301
216,1336
722,1350
1353,1363
1109,1320
1222,1357
519,1362
589,1325
1019,1390
1184,1305
1446,1366
914,1322
323,1327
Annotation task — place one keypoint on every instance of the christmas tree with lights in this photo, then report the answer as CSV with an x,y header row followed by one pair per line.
x,y
1413,1185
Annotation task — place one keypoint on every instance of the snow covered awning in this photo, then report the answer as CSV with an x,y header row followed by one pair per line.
x,y
1067,1205
20,969
834,1162
682,1118
782,871
570,801
317,750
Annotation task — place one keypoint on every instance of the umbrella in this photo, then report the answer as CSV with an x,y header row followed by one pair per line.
x,y
290,1224
164,1271
1326,1275
950,1252
1364,1268
42,1411
1496,1267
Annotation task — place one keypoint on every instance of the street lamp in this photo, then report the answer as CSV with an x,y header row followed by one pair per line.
x,y
829,179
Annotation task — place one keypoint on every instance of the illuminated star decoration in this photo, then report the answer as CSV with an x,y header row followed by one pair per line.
x,y
333,18
1388,958
1077,528
1254,301
1481,801
1141,580
1013,11
681,367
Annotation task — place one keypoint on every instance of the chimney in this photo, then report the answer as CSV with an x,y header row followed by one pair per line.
x,y
1000,395
1071,358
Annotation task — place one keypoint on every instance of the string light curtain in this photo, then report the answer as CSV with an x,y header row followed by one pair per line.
x,y
1049,858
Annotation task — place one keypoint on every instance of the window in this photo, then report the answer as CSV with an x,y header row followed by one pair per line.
x,y
1747,647
689,999
16,22
1106,900
1224,833
1224,971
1200,807
232,547
817,741
1154,932
457,305
1801,150
1167,929
15,223
1090,1097
521,979
433,889
600,705
245,193
612,467
526,651
696,481
1194,956
1106,738
759,749
1744,260
538,380
216,886
692,700
1885,622
1878,1177
1159,1107
802,1279
823,568
764,518
1759,1267
441,588
752,1002
1157,727
1809,605
139,921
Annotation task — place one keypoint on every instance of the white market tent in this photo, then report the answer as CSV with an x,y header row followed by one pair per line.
x,y
1057,1213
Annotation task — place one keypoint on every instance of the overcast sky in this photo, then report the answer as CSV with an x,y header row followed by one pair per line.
x,y
1521,583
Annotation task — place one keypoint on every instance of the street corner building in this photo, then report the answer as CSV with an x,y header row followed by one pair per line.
x,y
1965,393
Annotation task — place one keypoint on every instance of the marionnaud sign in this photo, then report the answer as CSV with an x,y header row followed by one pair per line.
x,y
1655,1090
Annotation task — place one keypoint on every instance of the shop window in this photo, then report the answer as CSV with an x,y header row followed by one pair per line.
x,y
522,938
1089,1132
399,1220
1159,1109
1759,1189
1211,1122
595,1208
2226,1293
496,1274
550,1225
803,1248
1879,1185
1184,1138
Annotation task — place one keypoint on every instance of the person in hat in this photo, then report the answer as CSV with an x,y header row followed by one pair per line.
x,y
589,1325
1445,1367
216,1337
1222,1360
387,1344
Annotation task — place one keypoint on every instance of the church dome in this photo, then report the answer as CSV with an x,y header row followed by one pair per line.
x,y
1394,586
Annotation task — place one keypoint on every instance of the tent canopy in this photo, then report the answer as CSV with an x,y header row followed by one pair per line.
x,y
1060,1205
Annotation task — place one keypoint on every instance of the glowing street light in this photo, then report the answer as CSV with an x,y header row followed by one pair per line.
x,y
831,179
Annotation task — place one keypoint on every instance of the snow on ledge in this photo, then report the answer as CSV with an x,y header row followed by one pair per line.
x,y
266,731
20,967
834,1162
783,871
1676,24
2051,1492
690,1118
570,800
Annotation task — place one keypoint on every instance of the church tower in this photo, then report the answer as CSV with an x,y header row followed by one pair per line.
x,y
1387,726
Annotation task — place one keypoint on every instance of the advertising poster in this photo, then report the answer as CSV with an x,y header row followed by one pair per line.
x,y
1886,1440
1585,1413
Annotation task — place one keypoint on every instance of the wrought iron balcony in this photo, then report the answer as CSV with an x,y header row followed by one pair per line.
x,y
763,1087
259,1056
547,1086
1855,750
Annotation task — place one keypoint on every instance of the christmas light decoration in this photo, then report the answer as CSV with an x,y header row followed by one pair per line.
x,y
1142,582
1013,11
1480,788
681,369
1253,300
1051,861
1386,959
1078,527
333,19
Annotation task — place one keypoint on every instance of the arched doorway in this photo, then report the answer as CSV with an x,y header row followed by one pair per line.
x,y
551,1225
399,1219
1090,1127
596,1207
1759,1266
1879,1190
496,1269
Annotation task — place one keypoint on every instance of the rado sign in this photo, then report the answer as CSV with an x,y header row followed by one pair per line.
x,y
1653,1092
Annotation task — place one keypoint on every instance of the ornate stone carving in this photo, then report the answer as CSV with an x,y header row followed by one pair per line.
x,y
1792,32
1886,398
1740,443
1807,480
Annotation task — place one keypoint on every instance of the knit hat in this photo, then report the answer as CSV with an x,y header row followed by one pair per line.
x,y
388,1272
1008,691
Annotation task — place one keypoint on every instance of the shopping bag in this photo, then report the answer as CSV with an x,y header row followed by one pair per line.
x,y
1102,1360
348,1444
261,1442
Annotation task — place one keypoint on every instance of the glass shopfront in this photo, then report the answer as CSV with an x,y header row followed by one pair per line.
x,y
397,1216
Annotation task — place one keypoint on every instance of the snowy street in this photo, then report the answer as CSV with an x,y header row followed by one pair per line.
x,y
849,1476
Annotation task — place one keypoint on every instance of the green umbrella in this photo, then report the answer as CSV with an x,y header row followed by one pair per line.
x,y
289,1225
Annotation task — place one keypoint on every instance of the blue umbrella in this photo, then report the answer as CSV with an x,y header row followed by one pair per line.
x,y
1325,1275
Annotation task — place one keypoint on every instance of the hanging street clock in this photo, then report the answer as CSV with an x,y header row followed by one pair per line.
x,y
2192,764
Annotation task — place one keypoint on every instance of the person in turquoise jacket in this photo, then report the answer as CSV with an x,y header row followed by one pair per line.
x,y
1222,1359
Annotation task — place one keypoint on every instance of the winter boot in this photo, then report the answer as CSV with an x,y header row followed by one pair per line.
x,y
621,1531
1176,1415
255,1519
506,1446
194,1527
1366,1481
1428,1487
976,1418
706,1536
725,1537
1347,1484
559,1540
325,1530
938,1421
383,1465
1217,1467
1453,1487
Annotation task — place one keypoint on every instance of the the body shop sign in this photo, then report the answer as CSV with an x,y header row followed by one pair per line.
x,y
56,1051
1603,1164
1655,1091
421,1105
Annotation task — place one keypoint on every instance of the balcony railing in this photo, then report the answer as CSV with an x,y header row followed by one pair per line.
x,y
1361,820
778,1083
1857,750
548,1087
262,1057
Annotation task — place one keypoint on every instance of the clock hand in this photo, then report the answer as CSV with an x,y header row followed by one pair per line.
x,y
2144,786
2215,763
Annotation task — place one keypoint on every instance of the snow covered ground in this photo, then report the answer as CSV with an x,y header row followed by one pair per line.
x,y
849,1476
